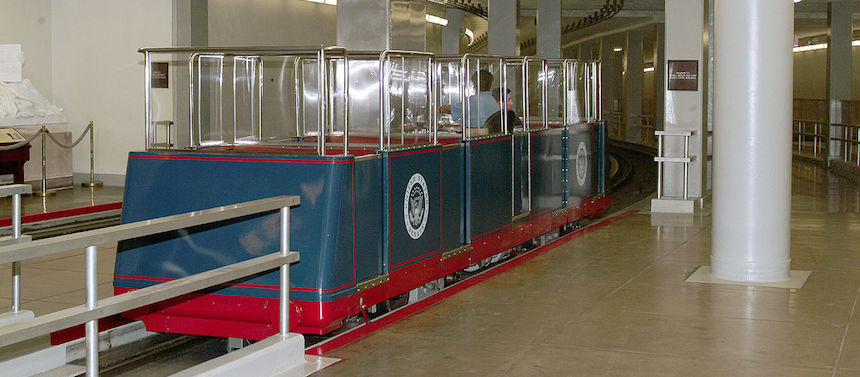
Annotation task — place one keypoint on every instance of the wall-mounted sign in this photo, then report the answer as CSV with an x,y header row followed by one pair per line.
x,y
159,75
684,75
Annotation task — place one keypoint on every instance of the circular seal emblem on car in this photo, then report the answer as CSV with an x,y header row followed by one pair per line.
x,y
581,163
415,205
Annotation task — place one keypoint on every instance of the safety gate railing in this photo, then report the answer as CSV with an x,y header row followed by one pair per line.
x,y
95,309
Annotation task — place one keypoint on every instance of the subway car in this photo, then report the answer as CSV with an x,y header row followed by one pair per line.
x,y
408,173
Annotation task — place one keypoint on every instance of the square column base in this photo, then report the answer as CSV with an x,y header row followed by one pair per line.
x,y
666,205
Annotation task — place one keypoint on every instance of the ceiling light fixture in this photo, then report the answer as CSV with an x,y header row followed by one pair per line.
x,y
649,69
819,46
618,49
469,34
435,20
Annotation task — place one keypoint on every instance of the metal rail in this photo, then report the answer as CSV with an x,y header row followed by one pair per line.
x,y
661,159
95,309
384,95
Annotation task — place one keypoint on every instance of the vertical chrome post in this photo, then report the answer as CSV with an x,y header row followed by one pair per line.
x,y
815,141
147,96
345,104
92,327
545,93
431,87
403,101
16,266
299,90
686,163
190,100
799,137
504,94
660,166
599,89
856,145
388,103
321,105
527,126
285,273
466,106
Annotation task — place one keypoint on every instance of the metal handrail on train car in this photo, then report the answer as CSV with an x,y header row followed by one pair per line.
x,y
95,309
385,100
464,79
321,54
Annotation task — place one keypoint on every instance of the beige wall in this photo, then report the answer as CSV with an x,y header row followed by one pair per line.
x,y
29,23
810,74
271,23
97,72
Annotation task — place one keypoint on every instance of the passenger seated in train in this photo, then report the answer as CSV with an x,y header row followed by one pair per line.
x,y
482,101
494,123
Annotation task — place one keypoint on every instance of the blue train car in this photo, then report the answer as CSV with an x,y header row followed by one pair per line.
x,y
394,195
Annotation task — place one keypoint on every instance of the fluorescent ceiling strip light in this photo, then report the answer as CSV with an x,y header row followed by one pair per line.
x,y
820,46
810,47
435,20
649,69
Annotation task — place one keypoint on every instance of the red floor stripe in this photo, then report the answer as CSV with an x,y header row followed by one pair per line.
x,y
63,213
381,322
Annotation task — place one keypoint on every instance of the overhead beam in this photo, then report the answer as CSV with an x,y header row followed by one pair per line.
x,y
635,26
580,13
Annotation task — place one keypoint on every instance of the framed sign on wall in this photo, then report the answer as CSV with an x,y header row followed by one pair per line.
x,y
683,75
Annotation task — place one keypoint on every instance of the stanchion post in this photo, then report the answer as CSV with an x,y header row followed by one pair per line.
x,y
92,182
43,192
16,266
92,327
284,310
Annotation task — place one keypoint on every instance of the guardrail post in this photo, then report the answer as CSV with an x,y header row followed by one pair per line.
x,y
92,327
16,266
285,273
660,166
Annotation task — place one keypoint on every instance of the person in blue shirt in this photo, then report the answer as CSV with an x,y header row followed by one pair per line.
x,y
480,106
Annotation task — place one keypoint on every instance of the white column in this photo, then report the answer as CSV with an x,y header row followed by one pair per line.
x,y
840,25
684,41
752,147
502,27
549,28
634,65
451,32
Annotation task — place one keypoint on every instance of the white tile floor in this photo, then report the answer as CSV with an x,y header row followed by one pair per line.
x,y
612,302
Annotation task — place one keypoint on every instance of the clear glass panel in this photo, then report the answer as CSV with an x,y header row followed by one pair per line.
x,y
448,94
577,93
555,92
407,103
535,89
247,90
279,115
514,75
308,97
208,100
